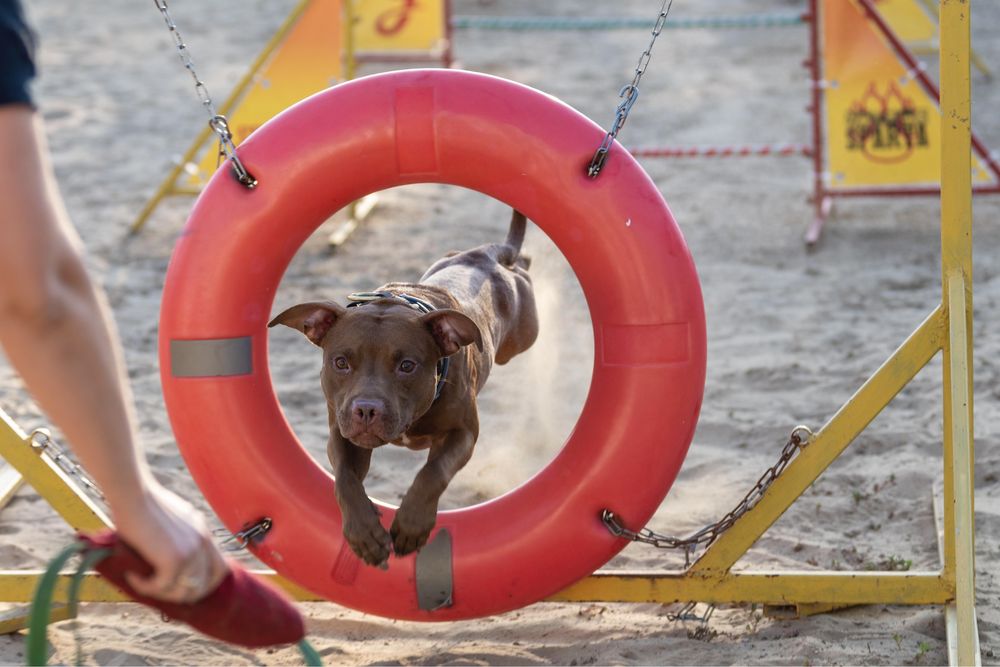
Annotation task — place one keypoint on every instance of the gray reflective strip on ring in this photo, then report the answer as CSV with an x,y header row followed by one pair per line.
x,y
434,584
211,358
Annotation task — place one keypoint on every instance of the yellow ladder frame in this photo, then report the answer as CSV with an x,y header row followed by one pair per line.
x,y
948,329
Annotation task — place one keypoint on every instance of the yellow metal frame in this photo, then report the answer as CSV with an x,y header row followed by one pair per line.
x,y
170,187
948,329
359,210
26,463
39,470
933,47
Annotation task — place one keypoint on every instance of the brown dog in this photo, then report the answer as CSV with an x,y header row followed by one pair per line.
x,y
404,365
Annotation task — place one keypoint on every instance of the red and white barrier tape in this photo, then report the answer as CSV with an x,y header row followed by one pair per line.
x,y
778,150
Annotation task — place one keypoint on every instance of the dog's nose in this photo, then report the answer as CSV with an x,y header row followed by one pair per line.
x,y
367,411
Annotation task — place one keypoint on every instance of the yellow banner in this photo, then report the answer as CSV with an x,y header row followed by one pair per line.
x,y
399,25
909,19
883,127
305,59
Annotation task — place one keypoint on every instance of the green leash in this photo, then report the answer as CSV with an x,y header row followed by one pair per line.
x,y
41,606
310,654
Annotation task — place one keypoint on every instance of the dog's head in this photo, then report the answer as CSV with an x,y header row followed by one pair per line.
x,y
379,361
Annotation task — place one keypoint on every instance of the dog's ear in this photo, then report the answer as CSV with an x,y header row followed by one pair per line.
x,y
452,330
314,319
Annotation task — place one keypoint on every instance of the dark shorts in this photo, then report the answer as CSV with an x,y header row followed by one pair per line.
x,y
17,55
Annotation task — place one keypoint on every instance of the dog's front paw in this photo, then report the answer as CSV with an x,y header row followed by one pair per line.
x,y
412,526
366,536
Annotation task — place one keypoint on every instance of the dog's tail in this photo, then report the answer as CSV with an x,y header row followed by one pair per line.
x,y
515,238
515,235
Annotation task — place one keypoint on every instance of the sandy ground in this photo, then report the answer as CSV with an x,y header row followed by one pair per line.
x,y
791,335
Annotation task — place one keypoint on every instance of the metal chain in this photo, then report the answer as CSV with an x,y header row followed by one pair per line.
x,y
240,540
217,121
629,95
42,442
800,437
687,613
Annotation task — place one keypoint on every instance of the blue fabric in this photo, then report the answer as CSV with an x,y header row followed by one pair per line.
x,y
17,55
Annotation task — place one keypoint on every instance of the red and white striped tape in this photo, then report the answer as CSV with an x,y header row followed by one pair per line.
x,y
748,150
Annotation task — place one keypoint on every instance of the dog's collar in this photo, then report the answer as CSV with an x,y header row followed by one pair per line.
x,y
362,298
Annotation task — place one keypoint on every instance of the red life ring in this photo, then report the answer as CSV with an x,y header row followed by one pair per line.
x,y
529,151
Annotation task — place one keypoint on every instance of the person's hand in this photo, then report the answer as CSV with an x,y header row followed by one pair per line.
x,y
173,538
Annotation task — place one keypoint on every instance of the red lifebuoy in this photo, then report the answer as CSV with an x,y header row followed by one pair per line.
x,y
521,147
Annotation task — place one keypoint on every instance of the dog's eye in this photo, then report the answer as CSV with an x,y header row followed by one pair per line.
x,y
407,366
340,363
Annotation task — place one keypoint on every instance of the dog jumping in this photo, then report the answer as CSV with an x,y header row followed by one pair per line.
x,y
403,365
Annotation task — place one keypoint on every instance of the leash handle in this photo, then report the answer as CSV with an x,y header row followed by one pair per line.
x,y
37,645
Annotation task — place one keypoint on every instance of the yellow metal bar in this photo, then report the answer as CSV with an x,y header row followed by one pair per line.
x,y
169,185
360,209
962,509
956,270
10,482
933,48
785,588
350,50
18,619
953,636
979,63
814,609
827,445
841,588
48,479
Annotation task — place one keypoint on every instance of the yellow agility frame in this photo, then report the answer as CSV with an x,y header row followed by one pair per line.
x,y
932,47
26,463
170,187
948,329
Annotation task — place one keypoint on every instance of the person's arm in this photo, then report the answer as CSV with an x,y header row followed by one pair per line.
x,y
56,329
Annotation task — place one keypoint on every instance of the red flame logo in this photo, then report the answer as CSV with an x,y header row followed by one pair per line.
x,y
392,21
886,126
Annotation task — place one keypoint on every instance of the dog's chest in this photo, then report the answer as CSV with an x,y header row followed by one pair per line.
x,y
415,442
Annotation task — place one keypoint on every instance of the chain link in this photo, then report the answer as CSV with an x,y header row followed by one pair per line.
x,y
240,540
800,437
216,121
687,613
42,442
629,94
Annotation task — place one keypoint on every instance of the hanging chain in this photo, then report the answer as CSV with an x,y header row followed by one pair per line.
x,y
217,121
688,613
41,441
240,540
629,94
800,437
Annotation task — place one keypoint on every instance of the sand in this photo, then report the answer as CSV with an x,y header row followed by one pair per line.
x,y
791,334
